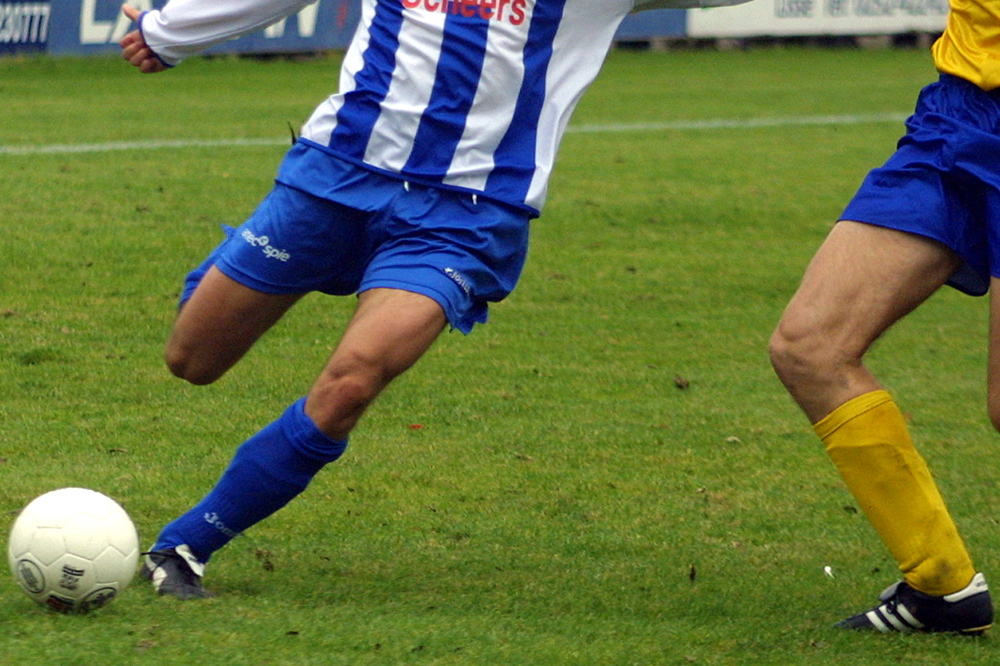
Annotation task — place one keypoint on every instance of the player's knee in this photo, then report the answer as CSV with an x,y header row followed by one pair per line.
x,y
797,352
185,367
782,350
345,393
336,404
346,387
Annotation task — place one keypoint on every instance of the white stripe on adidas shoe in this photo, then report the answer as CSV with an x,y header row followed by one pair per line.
x,y
887,619
908,617
877,622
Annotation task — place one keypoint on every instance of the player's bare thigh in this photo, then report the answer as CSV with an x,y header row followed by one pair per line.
x,y
863,279
219,324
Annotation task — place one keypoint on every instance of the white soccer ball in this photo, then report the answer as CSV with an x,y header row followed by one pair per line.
x,y
73,549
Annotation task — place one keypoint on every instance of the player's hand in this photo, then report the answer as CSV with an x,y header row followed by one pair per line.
x,y
134,48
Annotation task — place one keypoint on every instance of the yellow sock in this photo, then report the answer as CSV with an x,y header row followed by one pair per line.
x,y
868,441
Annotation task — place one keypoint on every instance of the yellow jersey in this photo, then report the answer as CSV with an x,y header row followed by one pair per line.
x,y
970,45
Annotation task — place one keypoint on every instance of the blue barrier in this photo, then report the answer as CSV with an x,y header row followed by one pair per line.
x,y
653,24
24,26
95,26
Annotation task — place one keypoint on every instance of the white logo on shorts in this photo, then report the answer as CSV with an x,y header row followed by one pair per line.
x,y
263,242
459,280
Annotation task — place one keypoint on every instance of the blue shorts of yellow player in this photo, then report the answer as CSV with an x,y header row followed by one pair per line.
x,y
459,250
943,181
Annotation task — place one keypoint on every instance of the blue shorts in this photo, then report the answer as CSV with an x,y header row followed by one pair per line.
x,y
943,181
461,251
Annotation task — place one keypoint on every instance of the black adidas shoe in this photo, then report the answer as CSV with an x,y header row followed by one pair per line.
x,y
175,572
968,611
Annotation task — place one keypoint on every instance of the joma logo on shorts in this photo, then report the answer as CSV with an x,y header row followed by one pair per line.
x,y
263,242
459,280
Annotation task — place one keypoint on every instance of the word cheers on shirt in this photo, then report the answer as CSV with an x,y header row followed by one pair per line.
x,y
512,11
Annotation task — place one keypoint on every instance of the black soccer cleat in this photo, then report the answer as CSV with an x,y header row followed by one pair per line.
x,y
175,572
968,611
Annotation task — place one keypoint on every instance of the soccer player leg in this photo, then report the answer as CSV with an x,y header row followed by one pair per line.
x,y
390,330
267,472
862,280
194,278
219,324
993,378
292,244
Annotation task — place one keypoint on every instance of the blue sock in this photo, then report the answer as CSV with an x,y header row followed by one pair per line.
x,y
193,279
268,470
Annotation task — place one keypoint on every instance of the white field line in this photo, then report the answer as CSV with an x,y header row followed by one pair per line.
x,y
742,123
69,148
681,125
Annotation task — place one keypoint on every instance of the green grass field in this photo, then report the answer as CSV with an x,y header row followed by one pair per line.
x,y
608,473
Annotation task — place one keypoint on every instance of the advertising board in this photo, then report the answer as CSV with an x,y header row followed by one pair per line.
x,y
819,17
95,26
24,26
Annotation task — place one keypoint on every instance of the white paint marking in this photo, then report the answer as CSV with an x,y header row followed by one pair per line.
x,y
743,123
615,128
70,148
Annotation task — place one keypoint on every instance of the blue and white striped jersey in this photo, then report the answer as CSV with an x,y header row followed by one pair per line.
x,y
473,95
475,98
